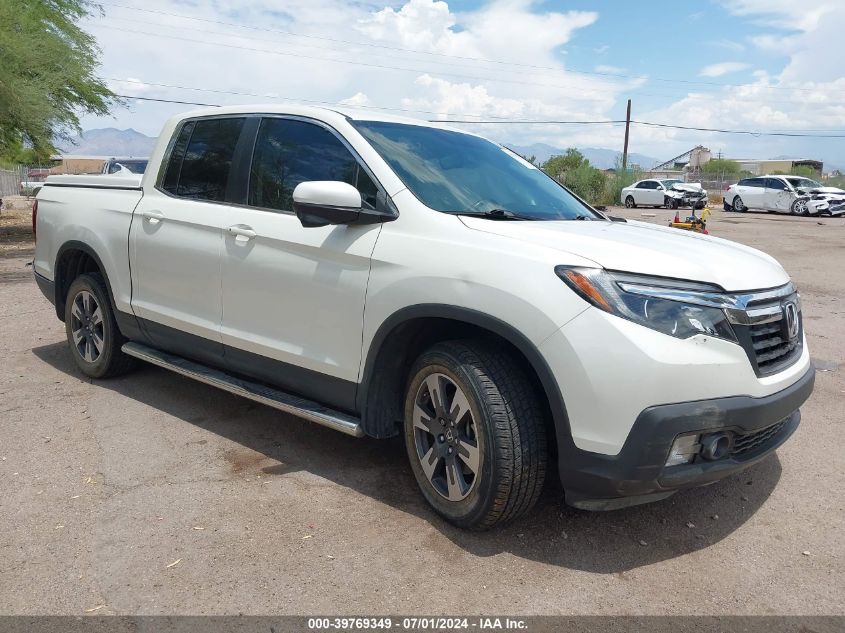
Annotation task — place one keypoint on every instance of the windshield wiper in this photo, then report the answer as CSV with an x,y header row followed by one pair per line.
x,y
498,214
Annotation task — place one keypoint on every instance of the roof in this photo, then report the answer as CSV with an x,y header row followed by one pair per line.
x,y
328,114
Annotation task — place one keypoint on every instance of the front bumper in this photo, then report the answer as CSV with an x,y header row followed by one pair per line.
x,y
637,474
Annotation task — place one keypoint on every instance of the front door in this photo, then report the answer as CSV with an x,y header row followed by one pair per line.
x,y
293,297
778,195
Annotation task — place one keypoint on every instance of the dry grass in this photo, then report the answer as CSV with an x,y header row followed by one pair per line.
x,y
16,232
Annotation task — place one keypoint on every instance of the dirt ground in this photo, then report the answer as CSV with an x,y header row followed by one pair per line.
x,y
153,494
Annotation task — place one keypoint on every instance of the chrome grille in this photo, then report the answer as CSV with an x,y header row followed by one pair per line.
x,y
762,328
770,345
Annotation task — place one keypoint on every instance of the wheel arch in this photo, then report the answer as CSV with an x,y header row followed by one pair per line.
x,y
406,333
75,258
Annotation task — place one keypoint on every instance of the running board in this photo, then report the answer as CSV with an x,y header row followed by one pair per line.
x,y
288,403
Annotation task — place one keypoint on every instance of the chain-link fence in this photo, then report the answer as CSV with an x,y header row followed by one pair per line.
x,y
10,182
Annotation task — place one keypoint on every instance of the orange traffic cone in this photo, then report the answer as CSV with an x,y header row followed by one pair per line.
x,y
677,219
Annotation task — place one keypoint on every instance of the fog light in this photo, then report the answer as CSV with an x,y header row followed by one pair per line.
x,y
684,450
715,446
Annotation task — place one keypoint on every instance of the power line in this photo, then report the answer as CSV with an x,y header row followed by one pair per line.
x,y
546,122
751,132
208,105
358,63
447,55
416,70
650,124
295,99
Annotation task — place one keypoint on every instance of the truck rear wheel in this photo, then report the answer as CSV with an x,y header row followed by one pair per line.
x,y
475,434
92,332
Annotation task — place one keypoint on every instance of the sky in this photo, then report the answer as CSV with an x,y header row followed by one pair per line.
x,y
755,65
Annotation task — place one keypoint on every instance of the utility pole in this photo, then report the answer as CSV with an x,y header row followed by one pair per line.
x,y
627,128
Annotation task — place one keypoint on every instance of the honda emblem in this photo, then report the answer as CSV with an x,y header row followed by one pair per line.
x,y
790,315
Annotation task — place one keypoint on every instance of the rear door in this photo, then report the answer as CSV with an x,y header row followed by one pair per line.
x,y
779,197
176,240
293,297
752,191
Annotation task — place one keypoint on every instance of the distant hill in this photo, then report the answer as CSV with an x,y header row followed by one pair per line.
x,y
598,157
109,142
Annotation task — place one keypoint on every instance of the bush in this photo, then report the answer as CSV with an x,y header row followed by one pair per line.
x,y
615,183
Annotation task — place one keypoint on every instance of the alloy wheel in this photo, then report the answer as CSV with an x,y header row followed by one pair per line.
x,y
446,437
87,326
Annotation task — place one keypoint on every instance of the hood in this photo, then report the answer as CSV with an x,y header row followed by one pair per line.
x,y
825,190
647,249
687,186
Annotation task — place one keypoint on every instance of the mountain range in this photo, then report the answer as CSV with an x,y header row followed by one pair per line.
x,y
113,142
598,157
108,142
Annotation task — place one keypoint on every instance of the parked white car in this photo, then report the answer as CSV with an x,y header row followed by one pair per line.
x,y
785,194
385,276
670,193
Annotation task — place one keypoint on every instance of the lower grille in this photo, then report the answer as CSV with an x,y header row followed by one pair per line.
x,y
748,442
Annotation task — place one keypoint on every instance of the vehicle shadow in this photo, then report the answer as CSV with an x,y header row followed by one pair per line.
x,y
555,534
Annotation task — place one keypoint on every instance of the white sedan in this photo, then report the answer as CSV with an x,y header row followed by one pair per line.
x,y
785,194
670,192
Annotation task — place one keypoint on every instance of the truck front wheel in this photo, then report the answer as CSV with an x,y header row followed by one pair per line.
x,y
475,433
92,332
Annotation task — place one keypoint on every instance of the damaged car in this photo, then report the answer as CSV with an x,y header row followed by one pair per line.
x,y
785,194
669,193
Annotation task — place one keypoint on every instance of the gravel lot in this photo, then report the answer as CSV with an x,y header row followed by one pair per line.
x,y
153,494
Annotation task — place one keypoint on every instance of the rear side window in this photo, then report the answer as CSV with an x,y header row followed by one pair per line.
x,y
288,152
201,159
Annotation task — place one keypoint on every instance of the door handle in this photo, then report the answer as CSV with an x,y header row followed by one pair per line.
x,y
153,217
242,232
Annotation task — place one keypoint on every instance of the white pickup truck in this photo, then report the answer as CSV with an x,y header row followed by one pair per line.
x,y
386,276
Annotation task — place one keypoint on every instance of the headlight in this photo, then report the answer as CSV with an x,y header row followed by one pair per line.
x,y
676,308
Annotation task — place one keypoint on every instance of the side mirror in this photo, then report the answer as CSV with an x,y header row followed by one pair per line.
x,y
324,202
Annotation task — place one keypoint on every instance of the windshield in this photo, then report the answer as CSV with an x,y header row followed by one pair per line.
x,y
670,182
454,172
803,183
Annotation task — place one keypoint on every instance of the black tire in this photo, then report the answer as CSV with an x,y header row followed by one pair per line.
x,y
110,360
629,203
510,432
672,203
738,205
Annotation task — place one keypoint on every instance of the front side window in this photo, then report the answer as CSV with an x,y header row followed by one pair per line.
x,y
459,173
645,184
775,183
201,170
288,152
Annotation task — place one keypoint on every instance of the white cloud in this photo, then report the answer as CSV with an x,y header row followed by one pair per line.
x,y
724,68
358,99
613,70
442,48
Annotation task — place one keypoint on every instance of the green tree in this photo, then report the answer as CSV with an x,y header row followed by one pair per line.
x,y
557,166
47,75
806,171
723,166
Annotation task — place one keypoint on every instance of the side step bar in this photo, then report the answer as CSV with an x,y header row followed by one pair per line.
x,y
288,403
